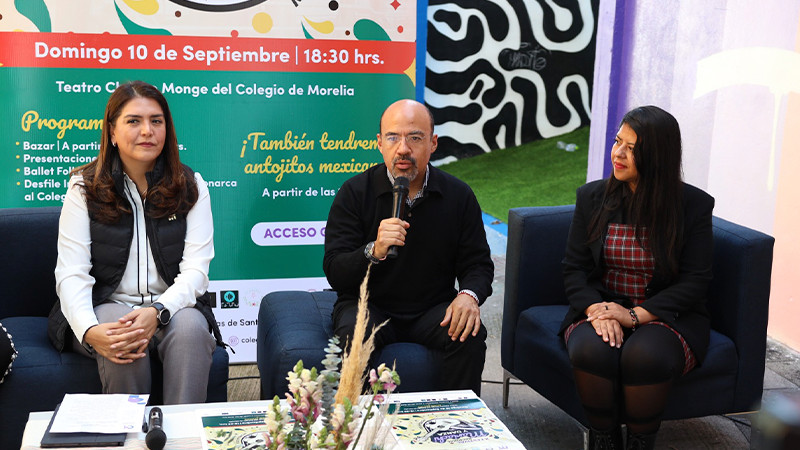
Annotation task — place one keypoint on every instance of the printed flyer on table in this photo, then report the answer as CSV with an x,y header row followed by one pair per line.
x,y
450,420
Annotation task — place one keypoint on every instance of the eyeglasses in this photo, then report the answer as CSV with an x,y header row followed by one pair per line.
x,y
413,140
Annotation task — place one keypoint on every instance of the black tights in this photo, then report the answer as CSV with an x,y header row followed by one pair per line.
x,y
628,384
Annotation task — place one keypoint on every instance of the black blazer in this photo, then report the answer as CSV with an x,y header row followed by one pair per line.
x,y
676,300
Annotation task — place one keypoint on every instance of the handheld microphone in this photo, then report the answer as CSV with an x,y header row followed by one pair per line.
x,y
156,438
399,194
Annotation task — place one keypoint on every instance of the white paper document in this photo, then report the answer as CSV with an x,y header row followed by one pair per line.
x,y
100,413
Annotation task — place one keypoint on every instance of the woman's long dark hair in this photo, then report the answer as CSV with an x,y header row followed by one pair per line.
x,y
173,193
657,201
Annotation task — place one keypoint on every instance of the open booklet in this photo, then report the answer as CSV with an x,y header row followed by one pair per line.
x,y
426,420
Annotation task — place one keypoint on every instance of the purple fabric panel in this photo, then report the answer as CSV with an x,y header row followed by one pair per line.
x,y
618,81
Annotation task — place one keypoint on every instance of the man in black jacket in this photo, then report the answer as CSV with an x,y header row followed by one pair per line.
x,y
440,240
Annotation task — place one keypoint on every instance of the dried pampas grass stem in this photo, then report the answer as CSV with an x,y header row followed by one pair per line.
x,y
355,360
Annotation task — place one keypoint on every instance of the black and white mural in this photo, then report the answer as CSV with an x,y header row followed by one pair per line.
x,y
500,73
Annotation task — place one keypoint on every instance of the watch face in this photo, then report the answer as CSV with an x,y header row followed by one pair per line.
x,y
163,316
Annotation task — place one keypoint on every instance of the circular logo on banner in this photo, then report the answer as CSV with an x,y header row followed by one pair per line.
x,y
218,5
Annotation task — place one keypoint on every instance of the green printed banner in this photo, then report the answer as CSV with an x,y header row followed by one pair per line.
x,y
275,109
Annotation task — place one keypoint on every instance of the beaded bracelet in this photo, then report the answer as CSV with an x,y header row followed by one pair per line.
x,y
634,319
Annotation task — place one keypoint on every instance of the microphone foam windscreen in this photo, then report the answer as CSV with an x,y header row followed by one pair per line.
x,y
401,182
155,439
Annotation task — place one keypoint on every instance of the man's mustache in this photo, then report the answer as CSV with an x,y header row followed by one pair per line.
x,y
405,158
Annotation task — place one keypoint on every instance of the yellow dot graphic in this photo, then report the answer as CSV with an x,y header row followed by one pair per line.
x,y
262,22
17,156
17,170
18,183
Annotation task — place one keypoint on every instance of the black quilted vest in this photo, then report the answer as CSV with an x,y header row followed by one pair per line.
x,y
110,249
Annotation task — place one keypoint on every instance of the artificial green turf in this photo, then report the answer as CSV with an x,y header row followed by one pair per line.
x,y
534,174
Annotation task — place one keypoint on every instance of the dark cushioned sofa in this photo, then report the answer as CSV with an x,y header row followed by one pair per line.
x,y
40,375
732,376
295,325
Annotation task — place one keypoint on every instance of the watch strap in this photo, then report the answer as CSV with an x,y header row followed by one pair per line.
x,y
160,312
368,253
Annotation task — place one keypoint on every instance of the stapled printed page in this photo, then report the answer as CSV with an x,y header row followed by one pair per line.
x,y
100,413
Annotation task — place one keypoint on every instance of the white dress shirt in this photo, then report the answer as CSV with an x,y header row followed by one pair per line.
x,y
138,287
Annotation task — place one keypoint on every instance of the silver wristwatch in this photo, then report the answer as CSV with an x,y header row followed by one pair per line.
x,y
163,314
369,255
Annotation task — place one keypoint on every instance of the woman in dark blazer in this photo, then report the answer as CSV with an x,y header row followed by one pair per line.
x,y
636,273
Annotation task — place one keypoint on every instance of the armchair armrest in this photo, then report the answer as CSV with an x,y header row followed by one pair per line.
x,y
738,301
29,257
537,238
292,325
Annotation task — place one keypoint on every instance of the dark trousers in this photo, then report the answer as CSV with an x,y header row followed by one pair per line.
x,y
463,360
